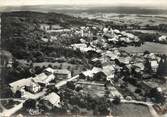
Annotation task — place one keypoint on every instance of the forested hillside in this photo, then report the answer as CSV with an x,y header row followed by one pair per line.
x,y
21,34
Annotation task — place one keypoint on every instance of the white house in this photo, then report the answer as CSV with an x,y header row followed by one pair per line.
x,y
63,73
17,85
154,65
44,78
109,71
53,98
162,38
45,27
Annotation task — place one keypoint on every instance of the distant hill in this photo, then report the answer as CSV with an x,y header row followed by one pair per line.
x,y
69,9
50,18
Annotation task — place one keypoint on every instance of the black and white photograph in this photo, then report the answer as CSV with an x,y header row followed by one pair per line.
x,y
83,58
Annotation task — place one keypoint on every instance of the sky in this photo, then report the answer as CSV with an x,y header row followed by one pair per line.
x,y
154,3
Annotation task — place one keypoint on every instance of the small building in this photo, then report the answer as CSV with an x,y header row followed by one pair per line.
x,y
154,65
109,71
82,47
55,27
138,66
62,73
53,98
44,27
50,70
58,73
59,31
162,38
90,73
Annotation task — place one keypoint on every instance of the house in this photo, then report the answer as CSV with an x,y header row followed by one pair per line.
x,y
58,73
55,27
59,31
138,67
44,78
10,63
82,47
90,73
17,85
44,27
52,38
62,73
129,35
53,98
113,55
33,87
109,71
105,30
150,56
162,38
50,70
125,60
154,65
45,39
114,39
116,31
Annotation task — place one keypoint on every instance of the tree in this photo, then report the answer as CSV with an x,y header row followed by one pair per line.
x,y
158,96
146,52
30,104
116,100
18,94
98,64
71,85
100,76
6,92
138,91
102,106
38,70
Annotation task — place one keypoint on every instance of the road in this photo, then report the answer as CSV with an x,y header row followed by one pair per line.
x,y
63,82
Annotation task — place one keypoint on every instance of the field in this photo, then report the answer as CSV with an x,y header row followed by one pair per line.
x,y
141,20
98,89
129,19
131,110
150,32
150,46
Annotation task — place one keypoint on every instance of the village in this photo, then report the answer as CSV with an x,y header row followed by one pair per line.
x,y
106,75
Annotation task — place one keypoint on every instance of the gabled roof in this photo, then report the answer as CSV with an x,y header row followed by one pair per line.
x,y
62,71
53,98
90,73
43,78
40,77
108,70
139,65
21,83
49,70
154,64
